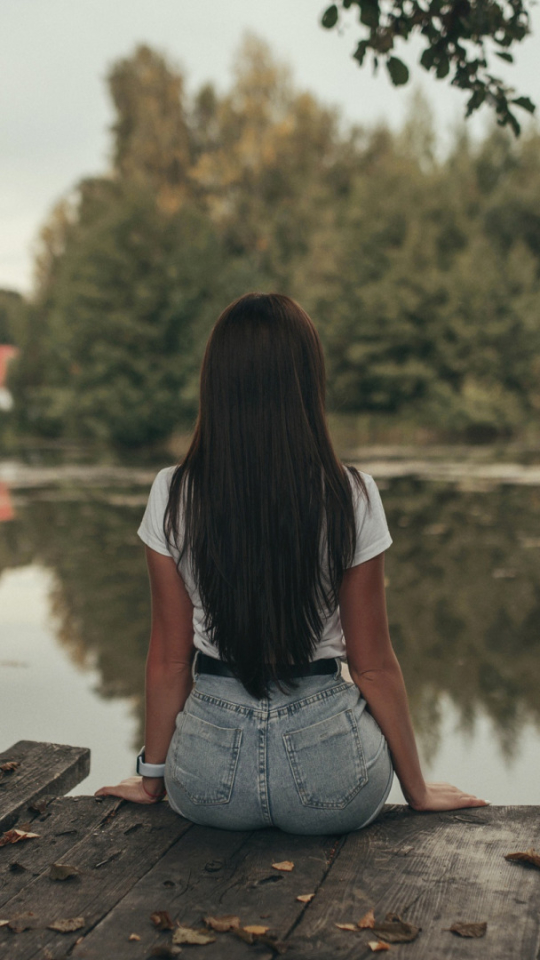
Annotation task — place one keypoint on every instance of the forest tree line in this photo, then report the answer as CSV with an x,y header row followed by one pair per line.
x,y
422,274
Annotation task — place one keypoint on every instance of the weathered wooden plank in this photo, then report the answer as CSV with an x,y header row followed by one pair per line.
x,y
431,869
111,858
62,824
44,769
215,872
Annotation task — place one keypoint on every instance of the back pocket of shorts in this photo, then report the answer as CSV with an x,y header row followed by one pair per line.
x,y
205,760
327,762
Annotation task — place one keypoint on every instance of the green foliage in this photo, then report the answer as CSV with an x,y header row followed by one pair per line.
x,y
456,35
11,311
422,276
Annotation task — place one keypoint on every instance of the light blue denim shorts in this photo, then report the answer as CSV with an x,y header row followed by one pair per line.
x,y
310,760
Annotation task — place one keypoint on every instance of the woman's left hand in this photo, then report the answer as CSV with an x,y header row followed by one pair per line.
x,y
132,789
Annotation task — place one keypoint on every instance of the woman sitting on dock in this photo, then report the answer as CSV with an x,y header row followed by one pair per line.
x,y
266,565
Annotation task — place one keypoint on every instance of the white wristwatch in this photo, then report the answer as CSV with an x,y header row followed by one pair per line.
x,y
149,769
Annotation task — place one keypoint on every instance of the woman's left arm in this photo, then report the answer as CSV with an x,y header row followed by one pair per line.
x,y
168,672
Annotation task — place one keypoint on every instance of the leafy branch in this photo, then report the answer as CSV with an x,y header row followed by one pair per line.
x,y
456,34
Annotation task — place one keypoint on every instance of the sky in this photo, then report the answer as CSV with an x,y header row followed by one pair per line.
x,y
55,113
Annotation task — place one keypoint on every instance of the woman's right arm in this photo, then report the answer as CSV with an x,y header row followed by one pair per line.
x,y
376,672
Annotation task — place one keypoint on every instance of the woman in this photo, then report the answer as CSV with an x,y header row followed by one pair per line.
x,y
266,564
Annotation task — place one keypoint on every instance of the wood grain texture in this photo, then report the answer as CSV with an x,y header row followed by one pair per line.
x,y
44,769
215,872
431,869
63,824
111,857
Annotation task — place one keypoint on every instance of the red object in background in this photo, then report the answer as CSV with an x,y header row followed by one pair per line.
x,y
7,352
6,507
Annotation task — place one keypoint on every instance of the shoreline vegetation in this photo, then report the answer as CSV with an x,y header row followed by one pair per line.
x,y
421,270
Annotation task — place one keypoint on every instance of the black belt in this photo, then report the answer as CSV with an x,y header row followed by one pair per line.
x,y
316,668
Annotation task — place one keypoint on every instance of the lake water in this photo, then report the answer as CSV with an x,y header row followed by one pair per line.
x,y
463,597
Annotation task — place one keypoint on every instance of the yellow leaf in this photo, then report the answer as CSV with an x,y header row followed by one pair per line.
x,y
13,836
368,921
285,865
189,935
67,926
256,929
224,923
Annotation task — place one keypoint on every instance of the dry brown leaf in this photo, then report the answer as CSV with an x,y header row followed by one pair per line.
x,y
469,929
395,930
190,935
527,856
376,945
256,929
62,871
346,926
162,920
285,865
9,766
367,922
24,921
224,923
14,836
305,897
67,926
134,936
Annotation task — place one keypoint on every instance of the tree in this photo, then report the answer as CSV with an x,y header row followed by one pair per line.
x,y
457,35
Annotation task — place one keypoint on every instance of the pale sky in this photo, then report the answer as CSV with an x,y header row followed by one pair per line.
x,y
55,112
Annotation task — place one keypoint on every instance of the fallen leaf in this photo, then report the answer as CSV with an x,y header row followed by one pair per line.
x,y
395,930
256,929
528,856
305,897
4,923
62,871
189,935
25,921
223,924
375,946
134,936
367,922
468,929
285,865
165,951
14,836
67,926
162,920
9,766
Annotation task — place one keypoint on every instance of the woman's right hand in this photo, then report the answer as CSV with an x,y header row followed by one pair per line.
x,y
443,796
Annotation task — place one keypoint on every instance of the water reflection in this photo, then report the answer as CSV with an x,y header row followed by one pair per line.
x,y
464,594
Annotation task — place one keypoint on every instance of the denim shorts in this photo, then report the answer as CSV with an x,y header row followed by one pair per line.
x,y
309,760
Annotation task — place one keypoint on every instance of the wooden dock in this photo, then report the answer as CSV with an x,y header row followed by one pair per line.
x,y
120,863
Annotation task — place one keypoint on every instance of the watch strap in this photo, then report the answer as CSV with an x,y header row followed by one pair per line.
x,y
149,769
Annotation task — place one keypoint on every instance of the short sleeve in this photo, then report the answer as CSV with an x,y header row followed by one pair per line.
x,y
151,528
372,533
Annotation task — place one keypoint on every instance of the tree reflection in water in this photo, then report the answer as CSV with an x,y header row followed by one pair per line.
x,y
463,593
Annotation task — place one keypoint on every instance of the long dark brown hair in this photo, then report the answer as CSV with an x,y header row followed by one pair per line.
x,y
260,502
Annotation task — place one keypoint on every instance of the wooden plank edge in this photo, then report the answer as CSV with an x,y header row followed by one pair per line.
x,y
72,771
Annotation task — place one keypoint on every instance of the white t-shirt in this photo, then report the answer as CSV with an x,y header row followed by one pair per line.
x,y
372,537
